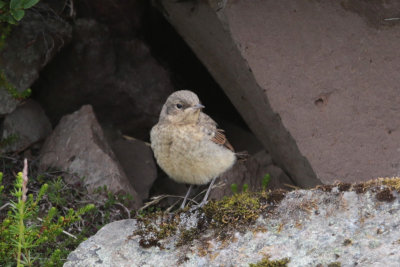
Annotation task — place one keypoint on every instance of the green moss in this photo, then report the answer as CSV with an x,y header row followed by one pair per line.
x,y
151,231
240,208
11,88
335,264
236,212
266,262
166,230
187,236
392,183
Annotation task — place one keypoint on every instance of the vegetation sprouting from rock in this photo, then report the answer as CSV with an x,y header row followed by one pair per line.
x,y
42,218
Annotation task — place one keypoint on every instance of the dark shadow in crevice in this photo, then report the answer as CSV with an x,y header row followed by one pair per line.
x,y
186,70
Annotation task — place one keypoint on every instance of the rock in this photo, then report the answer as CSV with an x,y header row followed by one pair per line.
x,y
250,172
241,139
30,46
78,146
7,102
26,125
278,178
316,81
137,161
124,19
117,76
309,227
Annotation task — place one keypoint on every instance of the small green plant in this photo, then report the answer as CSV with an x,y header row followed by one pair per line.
x,y
113,200
23,234
234,188
265,181
141,213
245,188
55,192
12,11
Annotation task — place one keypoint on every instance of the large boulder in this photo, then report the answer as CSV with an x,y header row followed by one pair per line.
x,y
316,81
29,47
78,146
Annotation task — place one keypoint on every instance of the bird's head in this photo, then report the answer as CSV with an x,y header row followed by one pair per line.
x,y
181,107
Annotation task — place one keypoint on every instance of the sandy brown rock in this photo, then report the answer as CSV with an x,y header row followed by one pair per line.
x,y
78,146
316,81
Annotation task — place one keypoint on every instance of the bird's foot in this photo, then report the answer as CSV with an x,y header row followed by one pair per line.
x,y
199,206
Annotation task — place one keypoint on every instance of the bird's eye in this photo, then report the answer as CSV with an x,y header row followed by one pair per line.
x,y
179,106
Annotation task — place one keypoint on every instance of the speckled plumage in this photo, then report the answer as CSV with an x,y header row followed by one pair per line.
x,y
186,142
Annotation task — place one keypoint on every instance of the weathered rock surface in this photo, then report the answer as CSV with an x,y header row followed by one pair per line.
x,y
309,227
241,139
7,102
123,18
26,125
78,146
136,158
30,46
316,81
117,76
251,172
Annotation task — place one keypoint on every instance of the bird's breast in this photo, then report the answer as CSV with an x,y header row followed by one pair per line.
x,y
188,155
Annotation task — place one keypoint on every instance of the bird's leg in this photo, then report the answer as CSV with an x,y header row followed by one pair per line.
x,y
204,201
187,195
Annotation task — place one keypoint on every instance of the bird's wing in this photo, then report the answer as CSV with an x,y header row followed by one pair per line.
x,y
220,138
217,135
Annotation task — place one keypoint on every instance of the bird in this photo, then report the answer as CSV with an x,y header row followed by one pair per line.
x,y
188,145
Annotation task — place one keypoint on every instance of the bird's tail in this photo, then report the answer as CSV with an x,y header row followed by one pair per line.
x,y
242,155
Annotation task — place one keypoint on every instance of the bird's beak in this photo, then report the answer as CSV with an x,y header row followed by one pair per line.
x,y
198,106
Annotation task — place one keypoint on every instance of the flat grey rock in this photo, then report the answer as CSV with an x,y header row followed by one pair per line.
x,y
308,227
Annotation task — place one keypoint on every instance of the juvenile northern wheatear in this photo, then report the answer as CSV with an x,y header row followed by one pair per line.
x,y
187,144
